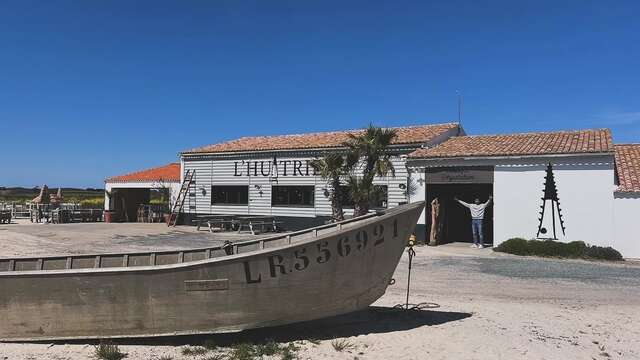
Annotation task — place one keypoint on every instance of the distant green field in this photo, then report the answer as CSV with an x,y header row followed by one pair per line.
x,y
86,197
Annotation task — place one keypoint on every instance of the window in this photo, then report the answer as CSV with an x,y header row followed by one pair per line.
x,y
292,195
378,197
229,195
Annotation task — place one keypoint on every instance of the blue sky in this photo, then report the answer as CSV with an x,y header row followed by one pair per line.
x,y
90,89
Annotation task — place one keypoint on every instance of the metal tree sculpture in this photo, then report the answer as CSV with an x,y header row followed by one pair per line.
x,y
551,194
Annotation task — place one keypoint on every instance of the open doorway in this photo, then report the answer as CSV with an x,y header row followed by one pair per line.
x,y
125,203
455,219
139,204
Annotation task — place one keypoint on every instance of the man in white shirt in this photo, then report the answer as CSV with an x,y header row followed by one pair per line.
x,y
477,216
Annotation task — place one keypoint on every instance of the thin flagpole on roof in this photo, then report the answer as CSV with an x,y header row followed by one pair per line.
x,y
459,95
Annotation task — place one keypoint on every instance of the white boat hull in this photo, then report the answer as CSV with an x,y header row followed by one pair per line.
x,y
308,275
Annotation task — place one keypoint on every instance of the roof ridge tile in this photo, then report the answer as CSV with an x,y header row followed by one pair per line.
x,y
533,143
408,134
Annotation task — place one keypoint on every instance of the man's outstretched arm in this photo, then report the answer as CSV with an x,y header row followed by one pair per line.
x,y
461,202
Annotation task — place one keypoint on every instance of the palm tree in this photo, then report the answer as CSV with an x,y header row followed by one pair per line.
x,y
331,167
369,151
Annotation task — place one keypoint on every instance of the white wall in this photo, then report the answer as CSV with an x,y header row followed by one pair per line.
x,y
585,189
626,223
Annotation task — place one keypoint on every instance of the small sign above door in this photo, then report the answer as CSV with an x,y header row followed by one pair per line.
x,y
460,175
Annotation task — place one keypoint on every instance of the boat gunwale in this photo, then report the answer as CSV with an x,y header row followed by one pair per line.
x,y
365,219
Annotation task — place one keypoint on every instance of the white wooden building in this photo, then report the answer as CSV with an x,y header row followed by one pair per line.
x,y
271,175
513,169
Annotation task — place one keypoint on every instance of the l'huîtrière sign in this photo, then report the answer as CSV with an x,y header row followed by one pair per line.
x,y
273,168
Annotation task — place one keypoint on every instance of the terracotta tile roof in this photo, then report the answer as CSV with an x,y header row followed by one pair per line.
x,y
628,167
541,143
169,173
406,135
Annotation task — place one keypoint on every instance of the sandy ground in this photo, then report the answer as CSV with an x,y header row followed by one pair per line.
x,y
476,305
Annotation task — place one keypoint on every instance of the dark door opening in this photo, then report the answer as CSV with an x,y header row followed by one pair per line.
x,y
455,219
125,202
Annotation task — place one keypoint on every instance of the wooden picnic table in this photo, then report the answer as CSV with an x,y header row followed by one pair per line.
x,y
253,222
225,221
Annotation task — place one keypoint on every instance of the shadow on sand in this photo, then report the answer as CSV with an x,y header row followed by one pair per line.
x,y
374,320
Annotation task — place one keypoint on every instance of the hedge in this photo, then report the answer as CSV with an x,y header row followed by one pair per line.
x,y
551,248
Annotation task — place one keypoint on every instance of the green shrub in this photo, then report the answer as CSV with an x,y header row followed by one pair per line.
x,y
603,253
242,351
270,348
194,351
289,352
552,248
340,345
516,246
108,351
579,248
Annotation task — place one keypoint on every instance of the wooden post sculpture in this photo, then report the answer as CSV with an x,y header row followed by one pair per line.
x,y
39,202
57,199
435,215
43,198
551,194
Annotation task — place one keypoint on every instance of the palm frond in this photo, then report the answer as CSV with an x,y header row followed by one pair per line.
x,y
384,166
331,165
369,148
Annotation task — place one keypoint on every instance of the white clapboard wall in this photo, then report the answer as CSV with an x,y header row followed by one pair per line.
x,y
211,172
